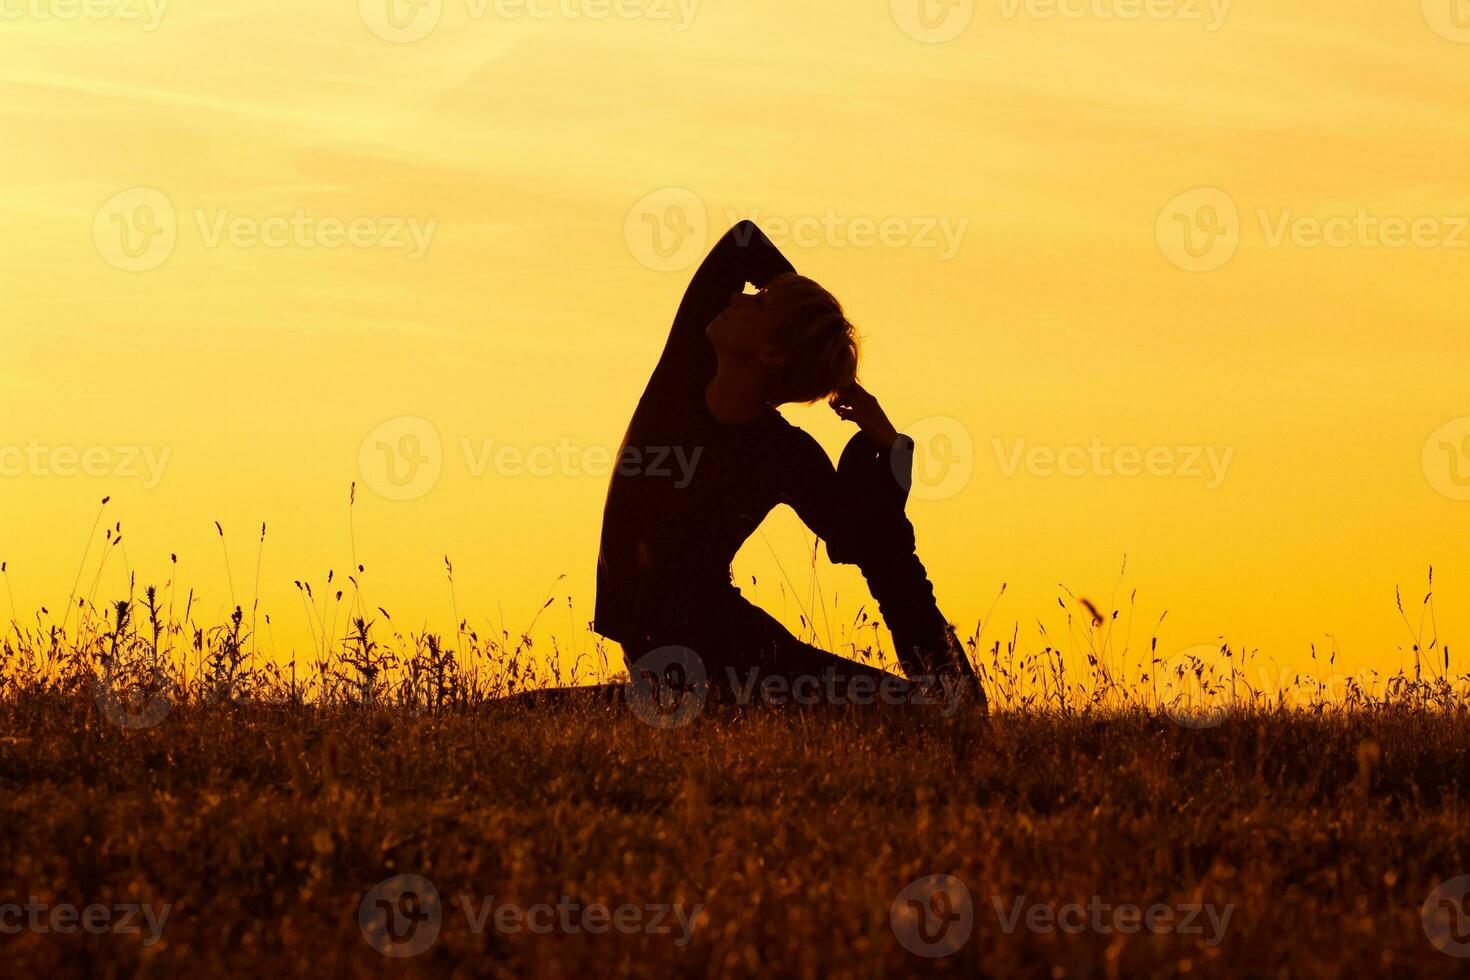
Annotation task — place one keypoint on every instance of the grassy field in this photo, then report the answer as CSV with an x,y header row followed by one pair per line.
x,y
1306,845
173,805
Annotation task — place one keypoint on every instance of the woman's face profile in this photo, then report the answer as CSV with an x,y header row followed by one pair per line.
x,y
745,326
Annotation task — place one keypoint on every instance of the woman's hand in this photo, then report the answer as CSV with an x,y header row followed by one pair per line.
x,y
856,404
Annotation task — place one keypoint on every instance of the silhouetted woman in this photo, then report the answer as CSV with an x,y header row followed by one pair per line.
x,y
707,457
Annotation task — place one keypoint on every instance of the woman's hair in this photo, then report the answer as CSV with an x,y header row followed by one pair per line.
x,y
822,346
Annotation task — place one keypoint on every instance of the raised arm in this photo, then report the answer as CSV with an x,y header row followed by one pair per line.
x,y
744,255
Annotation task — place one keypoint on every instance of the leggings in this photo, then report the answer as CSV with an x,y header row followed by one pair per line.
x,y
744,655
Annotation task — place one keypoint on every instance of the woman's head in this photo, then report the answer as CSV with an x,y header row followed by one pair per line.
x,y
797,330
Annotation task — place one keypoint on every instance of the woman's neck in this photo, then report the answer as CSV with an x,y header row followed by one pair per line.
x,y
737,391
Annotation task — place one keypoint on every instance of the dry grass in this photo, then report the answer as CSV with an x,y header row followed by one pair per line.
x,y
149,759
264,827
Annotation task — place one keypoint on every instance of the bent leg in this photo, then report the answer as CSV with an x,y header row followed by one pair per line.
x,y
747,656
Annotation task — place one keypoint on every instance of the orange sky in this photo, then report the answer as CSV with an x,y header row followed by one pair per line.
x,y
239,242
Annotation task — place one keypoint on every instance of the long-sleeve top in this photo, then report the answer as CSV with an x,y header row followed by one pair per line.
x,y
688,488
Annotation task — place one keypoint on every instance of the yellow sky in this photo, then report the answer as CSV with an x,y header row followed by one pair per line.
x,y
260,345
